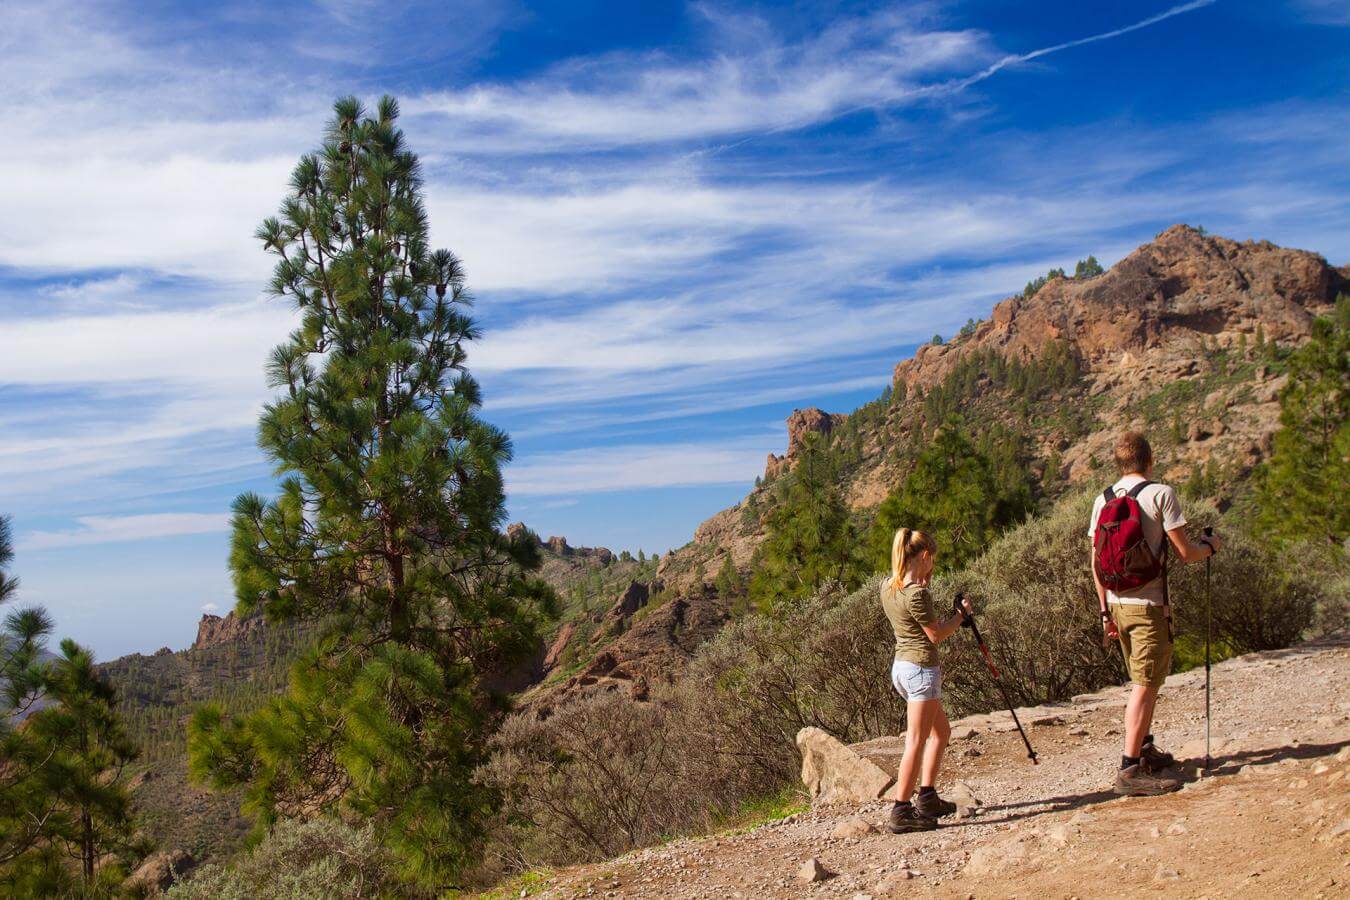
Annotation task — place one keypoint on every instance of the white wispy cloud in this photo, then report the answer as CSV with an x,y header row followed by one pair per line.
x,y
1323,12
881,61
1013,59
115,529
634,466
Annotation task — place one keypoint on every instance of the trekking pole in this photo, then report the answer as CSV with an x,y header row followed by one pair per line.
x,y
1208,630
998,679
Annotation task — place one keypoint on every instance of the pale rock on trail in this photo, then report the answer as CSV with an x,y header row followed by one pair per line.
x,y
1270,819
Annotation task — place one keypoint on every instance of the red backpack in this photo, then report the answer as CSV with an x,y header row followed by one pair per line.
x,y
1124,559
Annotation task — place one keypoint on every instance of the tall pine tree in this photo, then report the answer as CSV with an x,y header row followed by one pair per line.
x,y
1305,483
387,526
809,537
25,804
90,820
953,494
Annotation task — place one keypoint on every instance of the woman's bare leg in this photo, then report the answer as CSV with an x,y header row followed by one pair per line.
x,y
939,734
919,716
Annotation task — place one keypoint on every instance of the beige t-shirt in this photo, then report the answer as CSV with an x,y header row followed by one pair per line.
x,y
1161,513
908,610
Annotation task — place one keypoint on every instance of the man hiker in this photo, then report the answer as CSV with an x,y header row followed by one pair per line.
x,y
1133,523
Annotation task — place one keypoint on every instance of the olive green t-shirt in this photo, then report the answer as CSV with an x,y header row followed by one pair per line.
x,y
909,609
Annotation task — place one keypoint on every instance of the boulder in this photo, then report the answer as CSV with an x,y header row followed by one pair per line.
x,y
158,871
812,870
963,795
854,827
834,773
884,752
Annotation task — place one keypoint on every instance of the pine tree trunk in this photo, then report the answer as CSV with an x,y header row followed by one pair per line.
x,y
87,844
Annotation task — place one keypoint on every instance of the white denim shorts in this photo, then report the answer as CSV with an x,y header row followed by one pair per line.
x,y
915,682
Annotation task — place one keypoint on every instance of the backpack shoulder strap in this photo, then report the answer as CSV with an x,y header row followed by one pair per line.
x,y
1109,494
1134,491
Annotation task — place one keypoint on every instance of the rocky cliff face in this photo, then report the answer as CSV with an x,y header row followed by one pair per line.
x,y
1162,297
215,630
801,423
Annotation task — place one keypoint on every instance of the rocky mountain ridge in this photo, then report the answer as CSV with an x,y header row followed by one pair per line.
x,y
1159,340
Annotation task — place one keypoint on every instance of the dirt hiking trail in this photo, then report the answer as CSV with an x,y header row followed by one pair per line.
x,y
1270,819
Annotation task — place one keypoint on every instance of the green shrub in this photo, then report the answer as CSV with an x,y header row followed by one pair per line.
x,y
320,859
1263,597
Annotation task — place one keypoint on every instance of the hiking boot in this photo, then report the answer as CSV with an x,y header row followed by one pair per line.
x,y
904,819
1153,759
932,806
1135,782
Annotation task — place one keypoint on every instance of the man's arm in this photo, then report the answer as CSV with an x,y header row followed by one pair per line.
x,y
1108,625
1101,589
1189,551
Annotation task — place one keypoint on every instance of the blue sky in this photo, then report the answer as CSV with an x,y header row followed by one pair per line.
x,y
682,220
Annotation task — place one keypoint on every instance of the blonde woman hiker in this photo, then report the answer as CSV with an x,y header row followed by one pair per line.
x,y
917,675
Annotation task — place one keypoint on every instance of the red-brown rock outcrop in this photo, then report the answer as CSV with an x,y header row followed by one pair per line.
x,y
212,630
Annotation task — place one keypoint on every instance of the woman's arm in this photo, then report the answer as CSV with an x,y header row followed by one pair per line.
x,y
940,631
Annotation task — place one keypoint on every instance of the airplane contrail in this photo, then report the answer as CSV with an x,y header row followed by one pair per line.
x,y
1014,58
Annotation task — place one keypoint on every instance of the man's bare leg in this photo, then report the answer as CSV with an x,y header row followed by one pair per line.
x,y
1138,717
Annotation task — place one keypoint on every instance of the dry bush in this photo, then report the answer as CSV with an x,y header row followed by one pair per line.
x,y
321,859
598,777
607,773
821,661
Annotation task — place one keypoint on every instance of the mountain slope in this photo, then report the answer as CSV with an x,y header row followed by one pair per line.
x,y
1183,338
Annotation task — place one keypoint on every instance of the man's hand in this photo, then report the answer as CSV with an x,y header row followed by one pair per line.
x,y
1109,630
1213,541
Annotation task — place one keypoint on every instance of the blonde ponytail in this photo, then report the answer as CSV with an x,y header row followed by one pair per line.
x,y
907,542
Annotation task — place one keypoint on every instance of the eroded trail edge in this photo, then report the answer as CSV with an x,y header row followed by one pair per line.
x,y
1271,818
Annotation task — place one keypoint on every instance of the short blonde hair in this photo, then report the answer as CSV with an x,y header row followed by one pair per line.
x,y
904,546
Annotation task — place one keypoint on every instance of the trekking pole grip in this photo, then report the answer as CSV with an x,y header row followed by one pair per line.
x,y
967,619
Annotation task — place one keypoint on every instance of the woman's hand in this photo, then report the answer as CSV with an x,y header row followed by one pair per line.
x,y
962,608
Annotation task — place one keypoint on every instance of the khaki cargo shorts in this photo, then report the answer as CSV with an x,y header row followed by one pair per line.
x,y
1144,641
